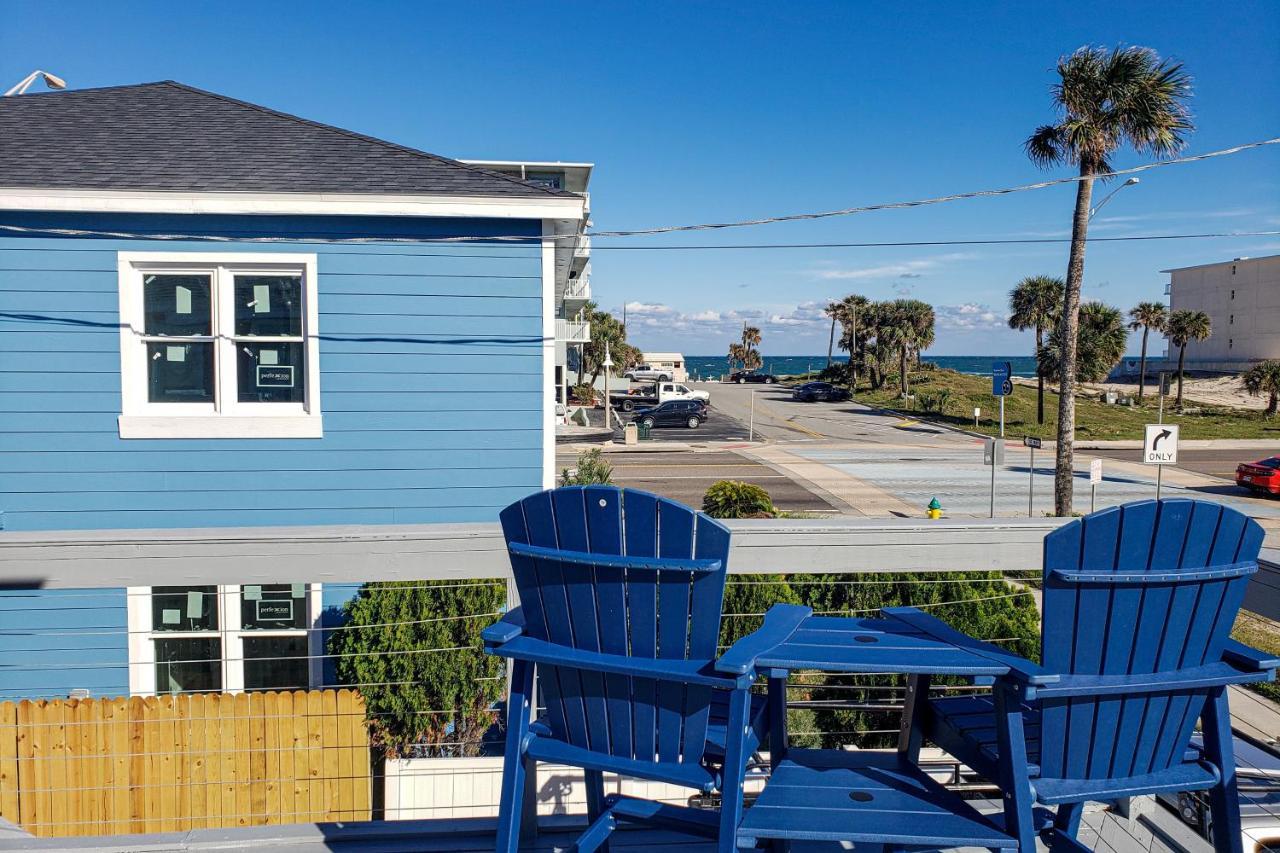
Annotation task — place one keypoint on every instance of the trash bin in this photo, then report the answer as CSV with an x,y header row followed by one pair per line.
x,y
630,433
642,431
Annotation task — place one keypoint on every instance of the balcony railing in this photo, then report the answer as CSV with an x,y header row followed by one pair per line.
x,y
211,759
577,291
573,332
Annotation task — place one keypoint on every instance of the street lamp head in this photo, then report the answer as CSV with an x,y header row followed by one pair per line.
x,y
1131,182
53,81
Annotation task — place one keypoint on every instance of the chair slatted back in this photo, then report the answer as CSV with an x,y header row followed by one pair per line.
x,y
1137,627
640,612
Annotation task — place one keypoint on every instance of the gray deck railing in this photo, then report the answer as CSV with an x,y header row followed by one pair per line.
x,y
96,560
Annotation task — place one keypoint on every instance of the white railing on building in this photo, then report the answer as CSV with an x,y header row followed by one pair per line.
x,y
573,332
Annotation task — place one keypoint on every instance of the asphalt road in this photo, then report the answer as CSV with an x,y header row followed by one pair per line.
x,y
685,476
718,427
1214,463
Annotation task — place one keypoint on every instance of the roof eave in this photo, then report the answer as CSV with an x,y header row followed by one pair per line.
x,y
309,204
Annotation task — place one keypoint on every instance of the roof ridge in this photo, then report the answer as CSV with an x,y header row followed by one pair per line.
x,y
350,133
65,92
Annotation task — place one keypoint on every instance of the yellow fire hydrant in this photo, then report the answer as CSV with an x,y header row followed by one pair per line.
x,y
934,510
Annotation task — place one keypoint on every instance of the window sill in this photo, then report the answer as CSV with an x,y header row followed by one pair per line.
x,y
221,426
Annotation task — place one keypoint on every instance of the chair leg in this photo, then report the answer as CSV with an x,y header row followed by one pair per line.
x,y
514,765
911,734
595,800
1066,825
1014,782
1224,798
734,772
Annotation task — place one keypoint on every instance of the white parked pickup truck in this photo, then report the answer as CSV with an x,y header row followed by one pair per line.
x,y
652,395
646,373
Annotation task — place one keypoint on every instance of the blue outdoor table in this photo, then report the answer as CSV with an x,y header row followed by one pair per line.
x,y
864,797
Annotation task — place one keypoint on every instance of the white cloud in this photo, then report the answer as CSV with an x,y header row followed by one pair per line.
x,y
650,308
968,316
901,269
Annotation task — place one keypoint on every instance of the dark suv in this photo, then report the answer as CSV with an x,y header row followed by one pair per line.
x,y
812,392
683,413
744,376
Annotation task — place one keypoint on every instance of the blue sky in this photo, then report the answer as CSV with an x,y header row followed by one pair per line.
x,y
725,111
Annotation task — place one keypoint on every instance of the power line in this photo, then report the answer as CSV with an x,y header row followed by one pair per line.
x,y
908,243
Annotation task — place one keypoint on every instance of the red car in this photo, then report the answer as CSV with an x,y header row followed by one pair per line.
x,y
1263,476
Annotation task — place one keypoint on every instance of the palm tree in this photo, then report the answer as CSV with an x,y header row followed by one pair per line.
x,y
1100,344
1106,98
737,353
848,309
1264,378
833,311
1146,316
1036,303
1181,328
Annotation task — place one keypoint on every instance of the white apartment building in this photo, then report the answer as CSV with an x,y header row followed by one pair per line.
x,y
1242,299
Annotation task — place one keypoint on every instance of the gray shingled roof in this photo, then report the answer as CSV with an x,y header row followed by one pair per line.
x,y
170,137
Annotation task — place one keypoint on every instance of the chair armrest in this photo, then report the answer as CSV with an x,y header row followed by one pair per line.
x,y
1020,669
506,629
1242,657
660,669
780,623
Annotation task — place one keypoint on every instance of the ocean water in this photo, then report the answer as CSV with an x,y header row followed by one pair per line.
x,y
708,366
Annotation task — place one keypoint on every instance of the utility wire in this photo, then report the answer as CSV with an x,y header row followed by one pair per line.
x,y
672,229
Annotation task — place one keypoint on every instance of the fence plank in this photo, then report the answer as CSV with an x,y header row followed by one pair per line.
x,y
178,762
9,803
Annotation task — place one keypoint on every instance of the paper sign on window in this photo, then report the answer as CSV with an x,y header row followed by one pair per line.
x,y
195,604
175,353
298,590
183,299
171,617
268,356
252,593
275,610
261,298
275,376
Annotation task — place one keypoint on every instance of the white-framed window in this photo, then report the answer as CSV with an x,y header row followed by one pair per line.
x,y
218,345
224,639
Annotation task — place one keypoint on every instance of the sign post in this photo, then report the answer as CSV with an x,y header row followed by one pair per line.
x,y
1031,443
1001,385
1095,477
993,455
977,413
1160,448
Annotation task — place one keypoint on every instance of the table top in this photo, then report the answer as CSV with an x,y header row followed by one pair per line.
x,y
849,644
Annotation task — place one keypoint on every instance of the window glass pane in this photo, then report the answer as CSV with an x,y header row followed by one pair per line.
x,y
275,663
184,608
188,665
276,606
269,305
180,372
271,373
177,304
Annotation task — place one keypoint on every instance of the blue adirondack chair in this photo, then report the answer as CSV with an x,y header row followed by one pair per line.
x,y
620,602
1139,601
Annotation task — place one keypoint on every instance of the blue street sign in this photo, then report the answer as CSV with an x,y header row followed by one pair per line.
x,y
1001,378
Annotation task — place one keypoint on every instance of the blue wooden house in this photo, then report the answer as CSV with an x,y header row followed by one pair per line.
x,y
217,316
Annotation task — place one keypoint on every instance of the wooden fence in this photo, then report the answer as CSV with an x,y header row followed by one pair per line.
x,y
191,761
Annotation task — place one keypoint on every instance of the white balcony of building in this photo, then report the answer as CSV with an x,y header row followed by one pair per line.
x,y
238,770
573,332
577,293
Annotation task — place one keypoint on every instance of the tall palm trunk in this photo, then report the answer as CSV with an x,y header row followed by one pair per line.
x,y
1069,325
853,348
1182,352
902,370
1142,365
831,341
1271,404
1039,377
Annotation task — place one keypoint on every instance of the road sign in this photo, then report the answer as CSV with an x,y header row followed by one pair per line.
x,y
993,447
1095,472
1160,444
1032,441
1001,378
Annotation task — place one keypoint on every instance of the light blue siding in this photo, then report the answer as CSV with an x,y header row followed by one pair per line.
x,y
430,373
54,641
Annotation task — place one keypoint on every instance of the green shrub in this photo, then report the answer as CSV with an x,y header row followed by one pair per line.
x,y
382,650
735,499
592,470
584,393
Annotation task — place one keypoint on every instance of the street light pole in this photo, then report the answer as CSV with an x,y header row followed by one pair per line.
x,y
1111,195
608,368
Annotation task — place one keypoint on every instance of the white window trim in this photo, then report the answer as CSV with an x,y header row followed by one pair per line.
x,y
226,418
142,637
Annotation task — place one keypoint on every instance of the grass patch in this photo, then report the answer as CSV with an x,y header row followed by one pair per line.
x,y
1263,635
1094,419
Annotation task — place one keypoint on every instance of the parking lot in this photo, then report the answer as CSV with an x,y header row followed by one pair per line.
x,y
718,427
